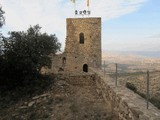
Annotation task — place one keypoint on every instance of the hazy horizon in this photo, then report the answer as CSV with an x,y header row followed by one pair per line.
x,y
151,54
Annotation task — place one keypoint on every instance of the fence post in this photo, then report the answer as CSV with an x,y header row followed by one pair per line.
x,y
147,96
104,67
116,75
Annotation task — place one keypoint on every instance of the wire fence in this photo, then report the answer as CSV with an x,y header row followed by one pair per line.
x,y
119,70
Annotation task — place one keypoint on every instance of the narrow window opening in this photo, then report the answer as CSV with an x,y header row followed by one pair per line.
x,y
64,60
81,38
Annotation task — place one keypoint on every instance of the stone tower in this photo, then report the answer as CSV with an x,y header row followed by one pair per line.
x,y
83,44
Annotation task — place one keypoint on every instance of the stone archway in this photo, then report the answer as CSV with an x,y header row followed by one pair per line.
x,y
85,68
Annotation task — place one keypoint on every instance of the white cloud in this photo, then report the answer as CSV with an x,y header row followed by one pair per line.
x,y
51,14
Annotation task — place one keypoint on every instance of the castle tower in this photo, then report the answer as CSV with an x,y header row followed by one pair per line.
x,y
83,44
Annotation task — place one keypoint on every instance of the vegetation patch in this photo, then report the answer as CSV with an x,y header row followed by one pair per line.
x,y
23,54
153,100
131,86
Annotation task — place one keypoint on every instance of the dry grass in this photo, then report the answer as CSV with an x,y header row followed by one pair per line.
x,y
65,101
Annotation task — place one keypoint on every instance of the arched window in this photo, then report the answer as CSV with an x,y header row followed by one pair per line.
x,y
81,38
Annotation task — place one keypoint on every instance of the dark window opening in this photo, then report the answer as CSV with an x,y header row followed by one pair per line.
x,y
64,60
85,68
81,38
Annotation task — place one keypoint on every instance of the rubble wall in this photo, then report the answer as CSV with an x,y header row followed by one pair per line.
x,y
124,102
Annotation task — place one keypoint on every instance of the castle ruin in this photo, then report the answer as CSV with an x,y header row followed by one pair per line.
x,y
82,47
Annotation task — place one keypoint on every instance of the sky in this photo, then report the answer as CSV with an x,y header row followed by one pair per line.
x,y
127,25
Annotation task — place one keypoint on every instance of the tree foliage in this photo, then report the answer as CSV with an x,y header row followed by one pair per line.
x,y
2,19
25,53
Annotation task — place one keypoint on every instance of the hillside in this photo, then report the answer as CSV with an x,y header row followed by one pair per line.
x,y
65,99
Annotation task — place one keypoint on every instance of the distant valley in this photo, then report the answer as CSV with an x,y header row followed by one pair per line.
x,y
132,72
131,61
150,54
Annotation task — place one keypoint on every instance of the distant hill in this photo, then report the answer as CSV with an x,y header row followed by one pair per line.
x,y
131,61
153,54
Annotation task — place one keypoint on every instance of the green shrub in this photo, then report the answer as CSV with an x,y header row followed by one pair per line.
x,y
131,86
23,55
155,102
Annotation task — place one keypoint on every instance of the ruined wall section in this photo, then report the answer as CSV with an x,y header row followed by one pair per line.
x,y
57,63
124,102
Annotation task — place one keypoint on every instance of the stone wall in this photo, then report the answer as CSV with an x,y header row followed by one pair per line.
x,y
126,104
90,50
122,101
80,79
78,54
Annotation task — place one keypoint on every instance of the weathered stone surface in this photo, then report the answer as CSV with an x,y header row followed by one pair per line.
x,y
23,107
78,54
144,117
40,96
36,97
62,83
31,103
44,95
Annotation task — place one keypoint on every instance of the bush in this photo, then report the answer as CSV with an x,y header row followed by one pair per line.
x,y
155,102
24,54
131,86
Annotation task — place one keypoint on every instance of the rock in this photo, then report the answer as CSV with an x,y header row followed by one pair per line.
x,y
40,96
23,107
36,97
143,117
38,101
45,98
25,103
31,103
44,95
62,83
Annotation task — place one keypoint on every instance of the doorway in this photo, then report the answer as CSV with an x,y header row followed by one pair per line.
x,y
85,68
